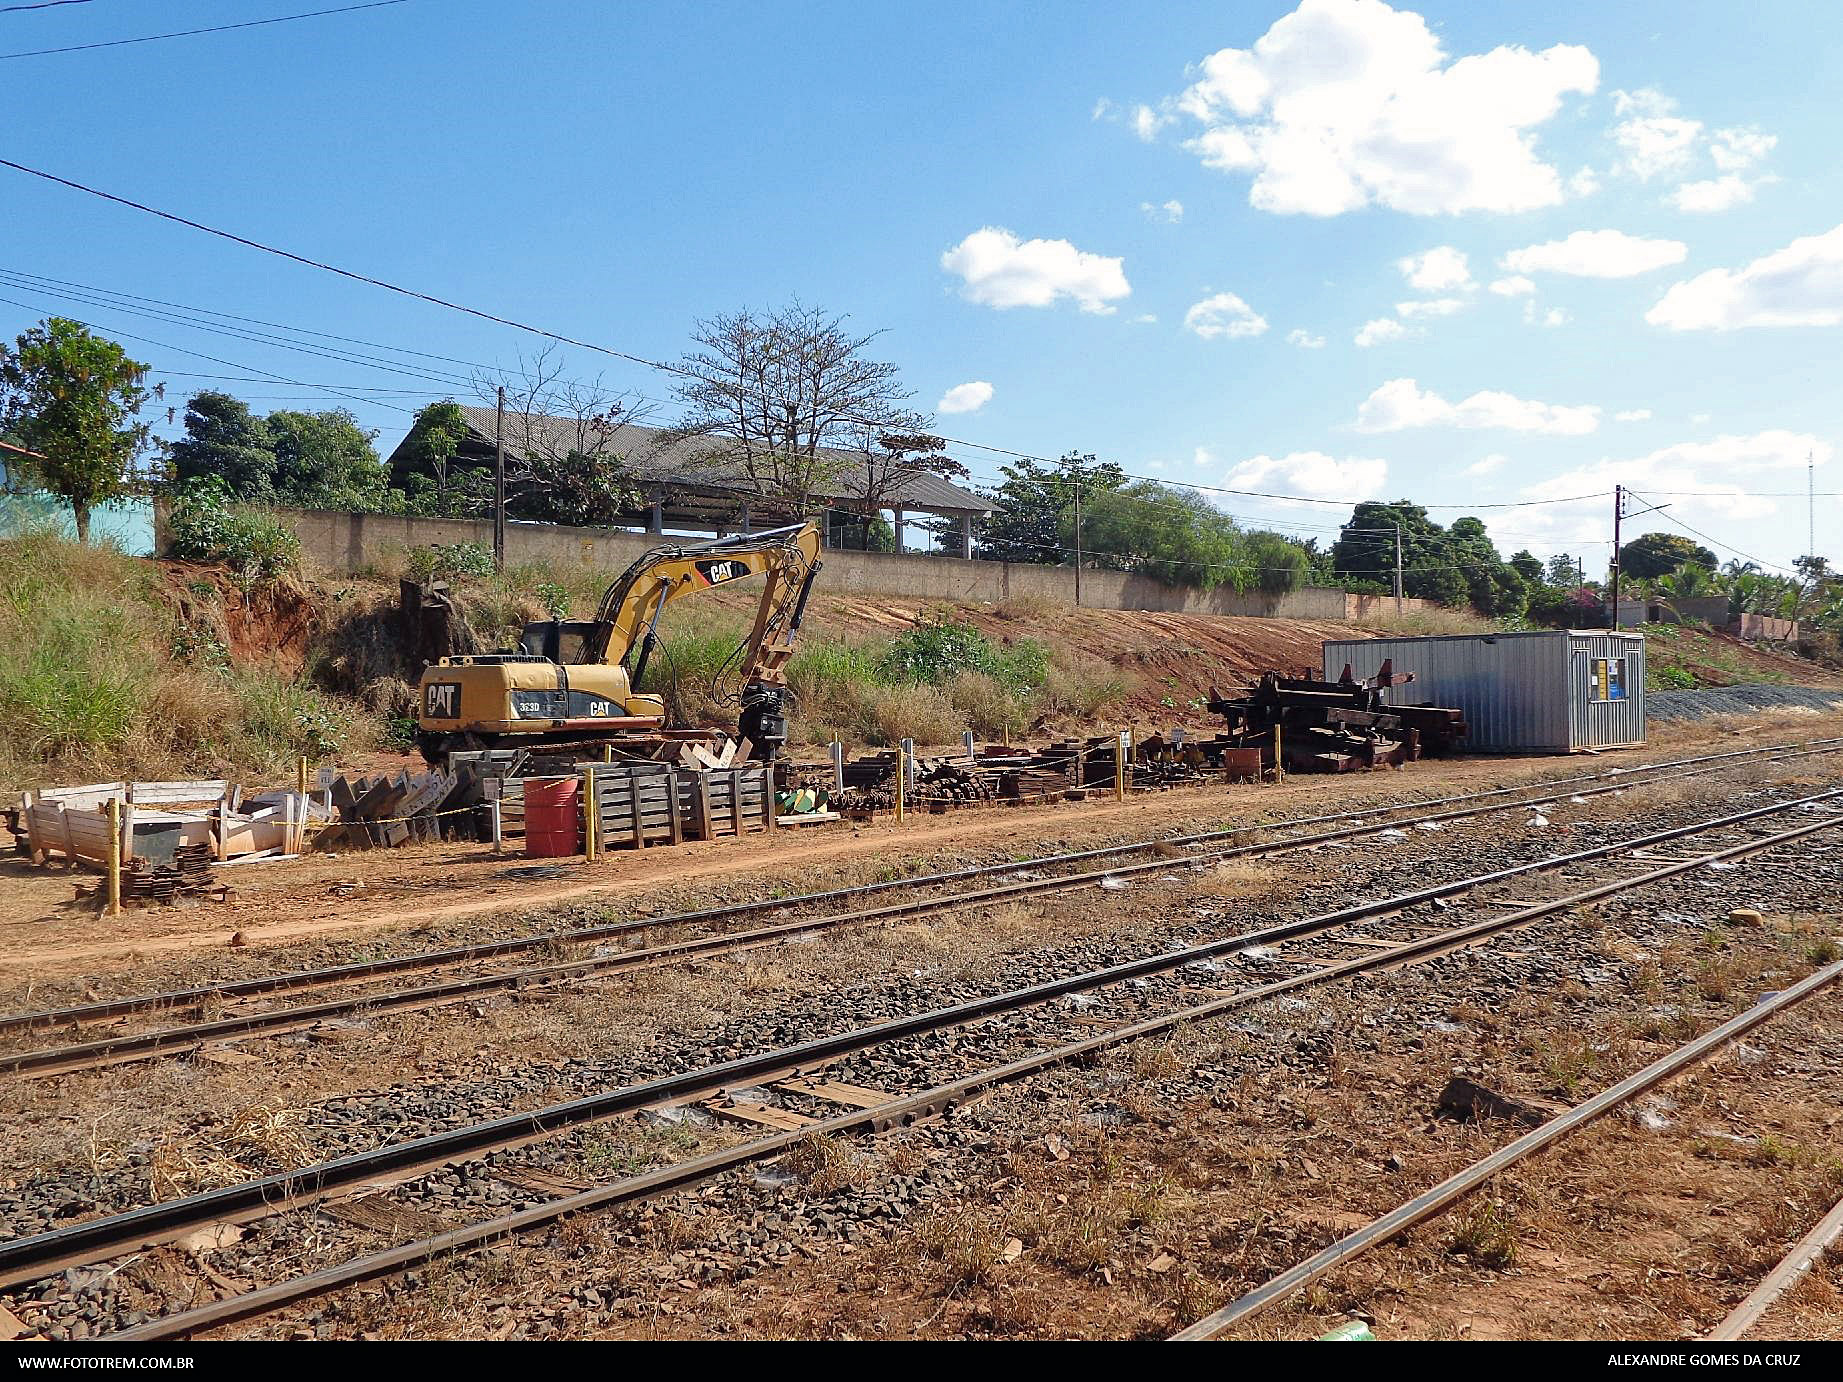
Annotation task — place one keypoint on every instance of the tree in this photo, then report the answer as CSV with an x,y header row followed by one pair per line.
x,y
564,459
779,398
1529,566
1365,552
893,458
1658,554
325,460
1032,501
424,467
224,439
73,398
1564,571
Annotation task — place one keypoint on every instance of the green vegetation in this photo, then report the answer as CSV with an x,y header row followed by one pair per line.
x,y
72,399
102,676
203,526
930,682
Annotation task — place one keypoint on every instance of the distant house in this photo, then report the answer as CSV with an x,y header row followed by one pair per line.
x,y
687,487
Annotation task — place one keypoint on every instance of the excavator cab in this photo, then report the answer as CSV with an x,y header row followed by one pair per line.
x,y
557,640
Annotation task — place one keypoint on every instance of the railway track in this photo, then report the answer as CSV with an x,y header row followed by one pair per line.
x,y
1462,1183
1392,931
144,1045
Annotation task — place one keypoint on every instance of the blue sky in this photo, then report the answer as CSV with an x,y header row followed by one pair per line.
x,y
998,188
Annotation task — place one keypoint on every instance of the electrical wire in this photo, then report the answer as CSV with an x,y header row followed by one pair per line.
x,y
193,33
630,357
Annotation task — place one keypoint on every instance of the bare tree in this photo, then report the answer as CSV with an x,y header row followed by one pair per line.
x,y
564,459
780,399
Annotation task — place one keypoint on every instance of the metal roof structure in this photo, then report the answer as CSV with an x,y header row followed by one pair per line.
x,y
686,474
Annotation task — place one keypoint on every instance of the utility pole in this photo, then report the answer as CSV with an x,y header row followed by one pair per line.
x,y
1075,469
1811,503
1618,513
1398,571
499,482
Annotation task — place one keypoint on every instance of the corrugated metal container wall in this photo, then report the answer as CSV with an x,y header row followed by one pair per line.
x,y
1521,692
1606,689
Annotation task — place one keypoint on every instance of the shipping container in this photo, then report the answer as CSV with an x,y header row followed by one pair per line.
x,y
1544,692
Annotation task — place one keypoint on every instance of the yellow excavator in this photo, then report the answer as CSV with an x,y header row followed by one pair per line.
x,y
568,685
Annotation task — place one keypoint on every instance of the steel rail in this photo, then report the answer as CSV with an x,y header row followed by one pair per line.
x,y
898,1112
31,1258
1462,1183
177,1040
1801,1259
358,971
70,1059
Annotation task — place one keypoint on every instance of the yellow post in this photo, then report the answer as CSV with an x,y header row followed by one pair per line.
x,y
1119,766
591,845
607,753
115,856
300,775
1279,763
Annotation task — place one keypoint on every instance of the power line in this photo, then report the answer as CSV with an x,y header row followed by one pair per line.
x,y
1672,518
191,33
40,5
662,366
216,360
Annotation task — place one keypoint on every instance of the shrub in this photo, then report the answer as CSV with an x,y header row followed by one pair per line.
x,y
453,562
203,526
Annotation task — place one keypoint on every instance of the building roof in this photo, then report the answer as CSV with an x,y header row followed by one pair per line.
x,y
659,457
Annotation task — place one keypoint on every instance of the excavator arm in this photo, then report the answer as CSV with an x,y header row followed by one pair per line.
x,y
628,616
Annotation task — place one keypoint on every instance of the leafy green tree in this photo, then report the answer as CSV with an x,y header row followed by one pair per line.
x,y
1365,551
1032,502
1529,566
325,460
1564,571
1658,554
73,398
426,459
223,439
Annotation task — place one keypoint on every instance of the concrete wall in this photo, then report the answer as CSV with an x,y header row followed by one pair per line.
x,y
351,542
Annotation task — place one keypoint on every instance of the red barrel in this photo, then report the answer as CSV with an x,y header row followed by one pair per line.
x,y
553,817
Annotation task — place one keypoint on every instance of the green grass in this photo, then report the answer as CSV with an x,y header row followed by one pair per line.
x,y
100,677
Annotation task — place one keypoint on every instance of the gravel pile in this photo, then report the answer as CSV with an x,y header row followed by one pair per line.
x,y
1737,700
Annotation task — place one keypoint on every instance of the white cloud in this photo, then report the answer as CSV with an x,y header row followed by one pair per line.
x,y
1708,482
1654,139
1736,149
1401,403
1800,285
1148,122
1699,418
997,269
1379,330
1145,318
1432,307
1584,183
1714,194
1633,415
1344,104
1486,465
1304,339
1172,211
1313,475
965,398
1439,270
1597,254
1103,108
1223,315
1515,286
1535,317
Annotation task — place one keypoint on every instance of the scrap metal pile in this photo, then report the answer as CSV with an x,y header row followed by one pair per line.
x,y
1333,726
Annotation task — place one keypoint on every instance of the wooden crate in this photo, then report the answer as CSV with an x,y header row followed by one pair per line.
x,y
720,802
637,804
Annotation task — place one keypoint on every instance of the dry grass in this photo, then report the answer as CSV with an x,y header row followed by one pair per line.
x,y
257,1139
